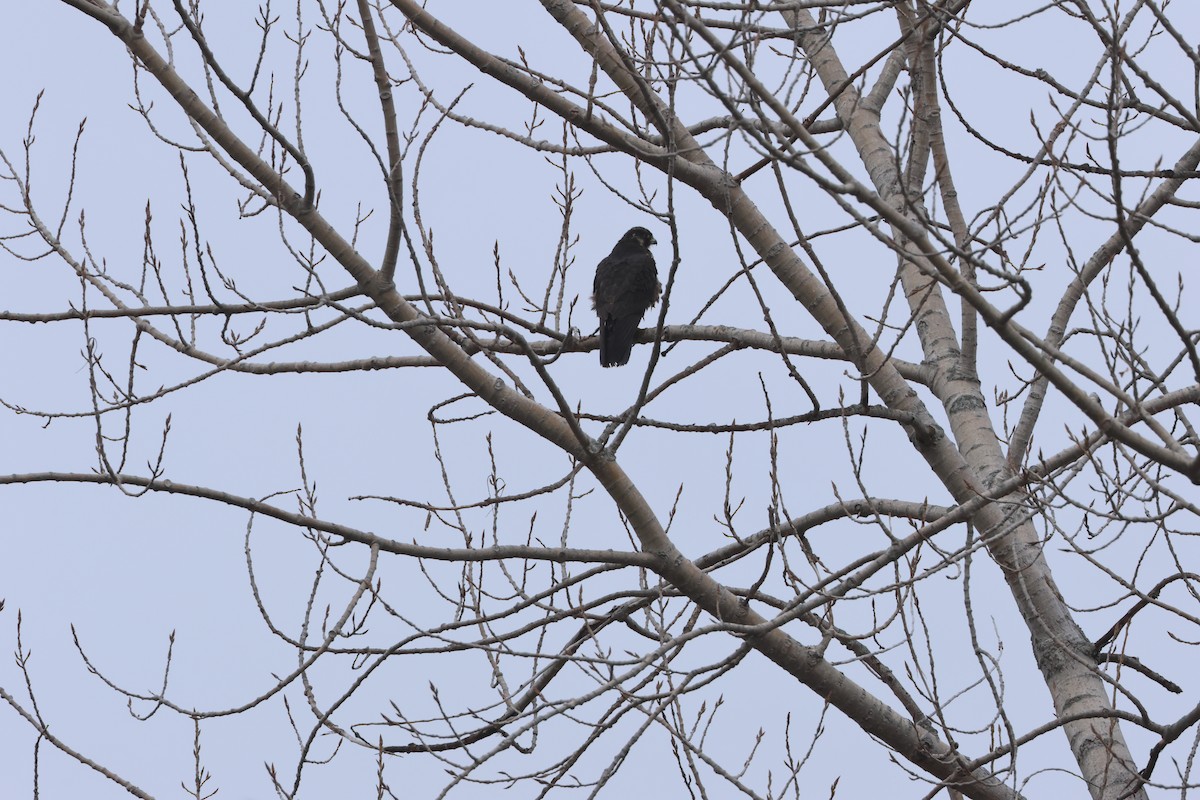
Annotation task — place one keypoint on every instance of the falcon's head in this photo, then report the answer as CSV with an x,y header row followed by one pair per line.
x,y
640,236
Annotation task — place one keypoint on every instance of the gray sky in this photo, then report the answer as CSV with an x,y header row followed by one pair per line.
x,y
127,572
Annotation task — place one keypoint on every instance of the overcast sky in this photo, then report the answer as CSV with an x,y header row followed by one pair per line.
x,y
128,573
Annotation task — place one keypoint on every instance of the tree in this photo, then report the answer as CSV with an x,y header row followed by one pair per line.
x,y
901,226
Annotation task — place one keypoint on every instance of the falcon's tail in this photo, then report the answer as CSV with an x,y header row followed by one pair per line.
x,y
616,340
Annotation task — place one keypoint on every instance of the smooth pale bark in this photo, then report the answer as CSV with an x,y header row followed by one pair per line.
x,y
1063,652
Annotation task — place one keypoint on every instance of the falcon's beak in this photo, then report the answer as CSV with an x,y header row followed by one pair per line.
x,y
653,240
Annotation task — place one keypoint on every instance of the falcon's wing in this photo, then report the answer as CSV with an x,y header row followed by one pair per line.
x,y
637,286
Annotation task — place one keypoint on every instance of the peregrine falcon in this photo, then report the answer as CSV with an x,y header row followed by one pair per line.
x,y
626,286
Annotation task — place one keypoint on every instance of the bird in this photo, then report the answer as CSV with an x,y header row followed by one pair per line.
x,y
625,288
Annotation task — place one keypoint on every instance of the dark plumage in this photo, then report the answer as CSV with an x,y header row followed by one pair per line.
x,y
626,286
